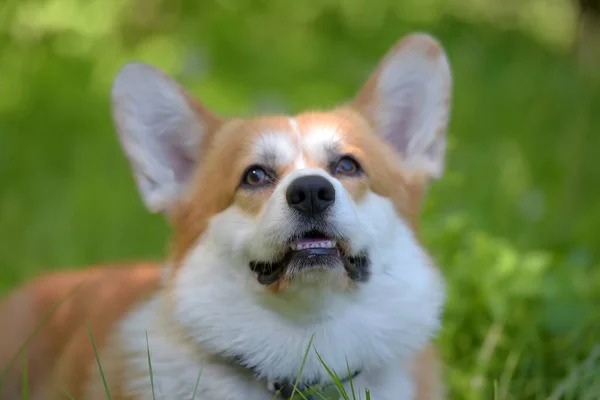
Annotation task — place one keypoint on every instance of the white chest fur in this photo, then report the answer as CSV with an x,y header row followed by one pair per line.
x,y
178,370
376,329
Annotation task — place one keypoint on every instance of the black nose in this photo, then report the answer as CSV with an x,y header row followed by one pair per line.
x,y
310,195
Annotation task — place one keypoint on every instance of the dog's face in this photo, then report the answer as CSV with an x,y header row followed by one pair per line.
x,y
298,202
317,202
302,199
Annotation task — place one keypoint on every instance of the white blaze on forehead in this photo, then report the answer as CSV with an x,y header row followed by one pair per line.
x,y
282,149
276,149
300,161
319,141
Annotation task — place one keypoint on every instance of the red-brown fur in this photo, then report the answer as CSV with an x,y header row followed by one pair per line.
x,y
61,354
60,304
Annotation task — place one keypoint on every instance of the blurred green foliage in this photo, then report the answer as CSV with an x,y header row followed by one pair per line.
x,y
513,224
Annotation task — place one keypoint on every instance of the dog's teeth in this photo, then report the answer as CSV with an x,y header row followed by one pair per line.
x,y
325,244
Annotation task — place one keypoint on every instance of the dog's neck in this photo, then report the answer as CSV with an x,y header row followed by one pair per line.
x,y
283,386
287,387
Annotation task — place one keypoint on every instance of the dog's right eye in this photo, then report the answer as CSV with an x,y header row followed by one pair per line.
x,y
256,176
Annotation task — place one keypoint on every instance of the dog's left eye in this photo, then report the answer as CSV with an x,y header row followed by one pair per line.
x,y
347,166
256,176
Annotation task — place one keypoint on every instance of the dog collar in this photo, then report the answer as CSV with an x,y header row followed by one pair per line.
x,y
314,391
318,390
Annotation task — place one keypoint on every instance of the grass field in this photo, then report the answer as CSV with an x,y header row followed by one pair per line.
x,y
514,224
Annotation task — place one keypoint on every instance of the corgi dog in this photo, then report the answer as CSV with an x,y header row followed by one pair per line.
x,y
295,245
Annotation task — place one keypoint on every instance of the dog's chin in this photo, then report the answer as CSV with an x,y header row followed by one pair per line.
x,y
311,254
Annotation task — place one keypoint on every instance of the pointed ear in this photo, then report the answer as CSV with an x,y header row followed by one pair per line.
x,y
160,128
407,100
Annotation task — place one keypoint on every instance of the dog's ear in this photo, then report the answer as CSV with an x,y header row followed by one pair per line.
x,y
407,100
160,128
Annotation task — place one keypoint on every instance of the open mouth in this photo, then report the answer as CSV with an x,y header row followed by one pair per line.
x,y
310,251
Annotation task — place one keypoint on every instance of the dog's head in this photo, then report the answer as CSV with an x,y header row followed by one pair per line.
x,y
325,200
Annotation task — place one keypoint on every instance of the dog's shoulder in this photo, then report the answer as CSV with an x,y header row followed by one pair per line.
x,y
51,318
427,375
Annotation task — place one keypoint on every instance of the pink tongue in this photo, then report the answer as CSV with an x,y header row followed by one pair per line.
x,y
304,242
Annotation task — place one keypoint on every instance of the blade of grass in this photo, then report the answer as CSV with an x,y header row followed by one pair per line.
x,y
510,366
301,395
302,368
317,393
590,392
98,361
67,393
489,346
572,379
350,380
150,367
336,379
197,384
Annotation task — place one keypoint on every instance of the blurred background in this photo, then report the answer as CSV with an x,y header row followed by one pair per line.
x,y
514,223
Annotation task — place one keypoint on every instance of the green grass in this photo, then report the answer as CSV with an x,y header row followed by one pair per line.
x,y
101,370
197,384
339,388
150,367
513,224
66,392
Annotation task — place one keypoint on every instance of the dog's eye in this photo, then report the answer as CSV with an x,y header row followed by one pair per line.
x,y
347,166
256,176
